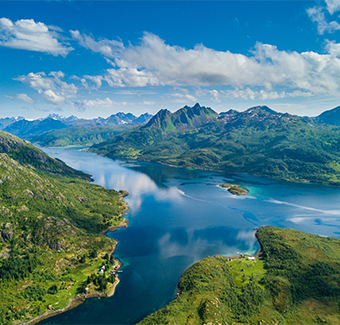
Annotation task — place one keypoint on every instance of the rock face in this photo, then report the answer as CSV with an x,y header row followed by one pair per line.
x,y
7,233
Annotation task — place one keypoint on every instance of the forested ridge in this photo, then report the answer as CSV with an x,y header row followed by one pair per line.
x,y
258,141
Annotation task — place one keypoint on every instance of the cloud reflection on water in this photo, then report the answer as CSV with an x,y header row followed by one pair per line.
x,y
198,243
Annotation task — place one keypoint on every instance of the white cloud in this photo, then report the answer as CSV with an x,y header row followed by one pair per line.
x,y
333,6
23,97
263,95
317,15
26,34
52,97
185,96
51,87
97,80
215,96
104,103
153,62
105,47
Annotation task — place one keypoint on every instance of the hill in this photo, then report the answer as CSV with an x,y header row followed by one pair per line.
x,y
294,282
78,135
50,225
26,154
258,141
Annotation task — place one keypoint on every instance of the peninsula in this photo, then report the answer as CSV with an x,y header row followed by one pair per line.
x,y
294,281
52,253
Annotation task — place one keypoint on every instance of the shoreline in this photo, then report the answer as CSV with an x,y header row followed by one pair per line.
x,y
257,255
79,299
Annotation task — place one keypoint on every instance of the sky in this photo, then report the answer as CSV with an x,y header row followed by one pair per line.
x,y
97,58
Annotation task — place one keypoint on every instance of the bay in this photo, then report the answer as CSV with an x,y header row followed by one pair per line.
x,y
180,216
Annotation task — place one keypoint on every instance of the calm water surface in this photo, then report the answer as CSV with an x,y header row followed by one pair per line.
x,y
178,217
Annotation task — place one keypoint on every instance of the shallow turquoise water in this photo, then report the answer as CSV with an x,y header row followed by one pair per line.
x,y
178,217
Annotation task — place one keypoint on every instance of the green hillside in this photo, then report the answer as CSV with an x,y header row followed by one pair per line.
x,y
294,282
258,141
50,225
162,126
78,136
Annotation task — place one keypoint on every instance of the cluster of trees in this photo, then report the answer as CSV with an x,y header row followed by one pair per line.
x,y
14,268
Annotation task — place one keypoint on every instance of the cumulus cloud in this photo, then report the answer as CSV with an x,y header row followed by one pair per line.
x,y
215,95
153,62
51,87
318,16
23,97
26,34
52,97
333,6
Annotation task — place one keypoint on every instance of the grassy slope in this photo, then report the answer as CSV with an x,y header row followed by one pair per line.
x,y
294,282
26,154
49,235
78,136
261,143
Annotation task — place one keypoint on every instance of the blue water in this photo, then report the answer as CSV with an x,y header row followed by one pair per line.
x,y
178,217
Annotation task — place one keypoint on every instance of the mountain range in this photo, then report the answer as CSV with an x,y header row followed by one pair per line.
x,y
258,141
26,129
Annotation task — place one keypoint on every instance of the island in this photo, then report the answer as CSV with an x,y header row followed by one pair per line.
x,y
293,280
234,189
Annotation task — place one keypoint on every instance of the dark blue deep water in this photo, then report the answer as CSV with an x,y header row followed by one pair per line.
x,y
178,217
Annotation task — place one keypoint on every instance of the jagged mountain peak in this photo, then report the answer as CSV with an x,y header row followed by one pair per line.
x,y
184,118
261,110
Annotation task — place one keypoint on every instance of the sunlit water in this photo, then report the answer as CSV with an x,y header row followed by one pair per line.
x,y
178,217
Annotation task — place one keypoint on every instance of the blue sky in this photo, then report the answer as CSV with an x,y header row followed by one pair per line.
x,y
97,58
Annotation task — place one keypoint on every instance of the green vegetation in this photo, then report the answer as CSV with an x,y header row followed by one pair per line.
x,y
78,135
50,226
257,141
295,281
235,189
26,154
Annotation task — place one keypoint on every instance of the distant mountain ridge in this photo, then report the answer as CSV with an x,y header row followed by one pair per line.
x,y
331,117
8,121
26,129
119,118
